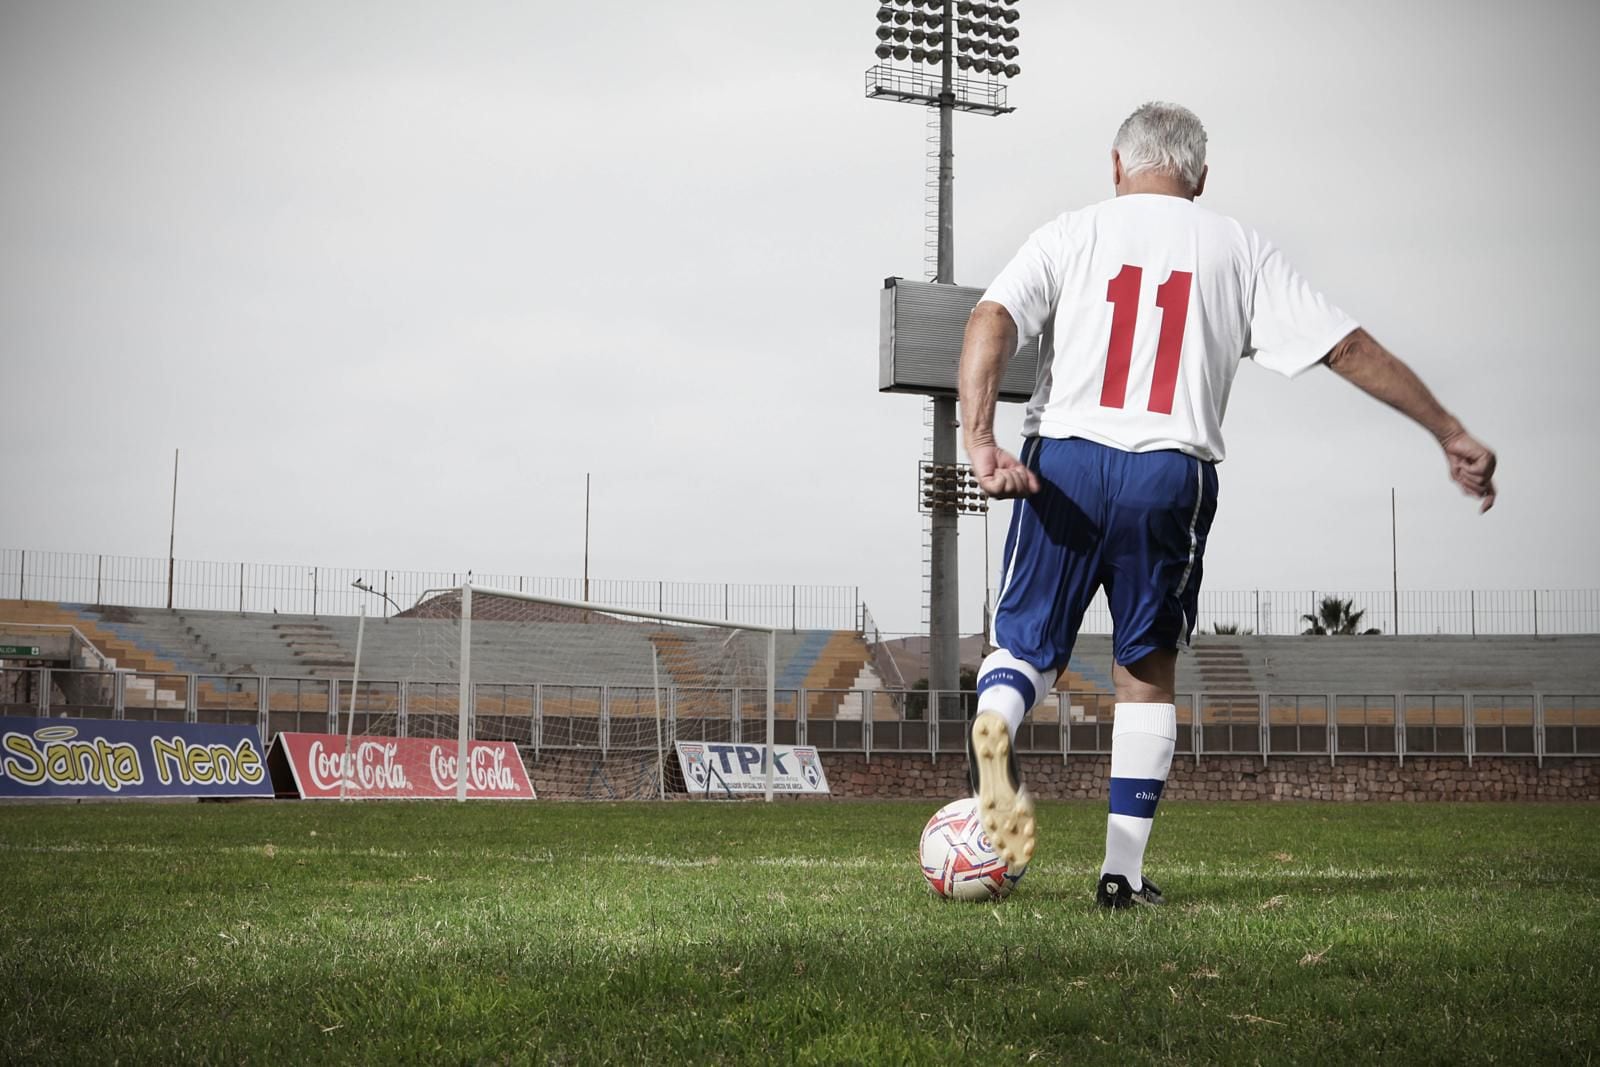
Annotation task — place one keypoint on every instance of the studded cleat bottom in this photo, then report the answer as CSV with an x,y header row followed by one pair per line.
x,y
1004,804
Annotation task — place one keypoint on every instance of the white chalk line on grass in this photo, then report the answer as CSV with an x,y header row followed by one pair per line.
x,y
630,858
675,862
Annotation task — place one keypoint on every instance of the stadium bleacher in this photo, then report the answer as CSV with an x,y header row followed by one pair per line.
x,y
557,653
836,668
1296,664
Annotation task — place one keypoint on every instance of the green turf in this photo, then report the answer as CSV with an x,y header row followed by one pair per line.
x,y
795,933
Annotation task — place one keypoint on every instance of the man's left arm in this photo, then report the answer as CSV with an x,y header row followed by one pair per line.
x,y
1364,363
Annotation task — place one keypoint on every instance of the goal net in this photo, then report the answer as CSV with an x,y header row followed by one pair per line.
x,y
595,696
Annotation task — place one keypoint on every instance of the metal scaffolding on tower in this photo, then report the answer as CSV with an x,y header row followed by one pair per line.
x,y
948,55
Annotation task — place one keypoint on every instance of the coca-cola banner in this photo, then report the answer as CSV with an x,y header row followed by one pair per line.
x,y
328,766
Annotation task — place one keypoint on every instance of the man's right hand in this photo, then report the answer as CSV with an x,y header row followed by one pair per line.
x,y
1472,466
1000,474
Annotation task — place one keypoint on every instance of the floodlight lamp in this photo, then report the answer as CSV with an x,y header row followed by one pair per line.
x,y
964,62
901,34
901,51
884,51
885,32
902,17
1011,14
964,25
1009,32
919,55
885,13
1012,70
935,40
1011,51
918,36
966,7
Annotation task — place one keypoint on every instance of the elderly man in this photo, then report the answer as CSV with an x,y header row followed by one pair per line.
x,y
1144,305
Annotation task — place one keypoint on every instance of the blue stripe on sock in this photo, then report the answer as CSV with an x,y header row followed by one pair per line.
x,y
1010,677
1135,796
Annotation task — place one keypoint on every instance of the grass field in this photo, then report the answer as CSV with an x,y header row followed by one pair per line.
x,y
734,933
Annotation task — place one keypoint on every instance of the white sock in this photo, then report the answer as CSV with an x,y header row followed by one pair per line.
x,y
1011,687
1142,741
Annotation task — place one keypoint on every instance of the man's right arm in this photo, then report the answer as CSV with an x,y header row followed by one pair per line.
x,y
991,338
1370,367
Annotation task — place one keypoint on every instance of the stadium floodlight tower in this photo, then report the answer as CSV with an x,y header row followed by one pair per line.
x,y
970,47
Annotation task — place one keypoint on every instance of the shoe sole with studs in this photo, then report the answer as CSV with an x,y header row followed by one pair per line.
x,y
1004,805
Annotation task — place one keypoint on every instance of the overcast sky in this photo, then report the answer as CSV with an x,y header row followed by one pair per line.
x,y
394,276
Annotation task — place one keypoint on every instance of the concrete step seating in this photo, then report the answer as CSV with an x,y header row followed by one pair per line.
x,y
1377,664
577,655
124,651
1231,670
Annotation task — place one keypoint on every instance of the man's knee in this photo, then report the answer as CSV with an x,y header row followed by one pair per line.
x,y
1151,679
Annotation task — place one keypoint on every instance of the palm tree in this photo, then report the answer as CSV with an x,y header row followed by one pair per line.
x,y
1336,616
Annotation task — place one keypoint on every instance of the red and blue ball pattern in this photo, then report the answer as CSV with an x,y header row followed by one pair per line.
x,y
957,859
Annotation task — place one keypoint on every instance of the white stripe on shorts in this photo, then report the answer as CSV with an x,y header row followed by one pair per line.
x,y
1194,521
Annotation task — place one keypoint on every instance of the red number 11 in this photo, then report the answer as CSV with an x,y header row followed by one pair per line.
x,y
1122,293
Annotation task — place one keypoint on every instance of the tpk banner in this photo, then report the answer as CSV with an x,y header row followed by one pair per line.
x,y
713,766
328,766
116,758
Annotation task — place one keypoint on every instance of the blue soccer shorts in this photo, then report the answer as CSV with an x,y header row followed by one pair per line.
x,y
1134,523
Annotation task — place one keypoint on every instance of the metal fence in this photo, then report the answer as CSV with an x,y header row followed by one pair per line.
x,y
142,582
602,718
138,581
1533,612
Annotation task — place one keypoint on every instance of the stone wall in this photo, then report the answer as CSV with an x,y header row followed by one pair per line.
x,y
625,776
1240,778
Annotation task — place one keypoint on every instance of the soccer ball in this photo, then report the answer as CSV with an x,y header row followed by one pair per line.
x,y
957,859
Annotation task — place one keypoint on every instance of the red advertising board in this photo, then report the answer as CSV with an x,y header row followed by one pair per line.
x,y
327,766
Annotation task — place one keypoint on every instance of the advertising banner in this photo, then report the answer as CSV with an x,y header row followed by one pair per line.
x,y
722,766
105,758
398,767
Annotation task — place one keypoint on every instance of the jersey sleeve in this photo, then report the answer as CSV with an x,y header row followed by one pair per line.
x,y
1029,284
1292,326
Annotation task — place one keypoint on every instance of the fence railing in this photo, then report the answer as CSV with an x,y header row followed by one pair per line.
x,y
601,718
291,589
138,581
1533,612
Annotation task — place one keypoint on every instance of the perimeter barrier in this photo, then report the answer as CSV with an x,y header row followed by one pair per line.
x,y
1336,725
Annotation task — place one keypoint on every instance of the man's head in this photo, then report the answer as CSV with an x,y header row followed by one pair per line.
x,y
1160,148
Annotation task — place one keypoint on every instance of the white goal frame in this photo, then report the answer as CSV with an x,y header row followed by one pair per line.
x,y
464,701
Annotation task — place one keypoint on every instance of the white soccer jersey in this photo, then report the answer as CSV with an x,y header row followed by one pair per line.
x,y
1143,305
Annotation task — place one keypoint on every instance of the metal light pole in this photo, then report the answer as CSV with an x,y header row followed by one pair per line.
x,y
925,32
944,582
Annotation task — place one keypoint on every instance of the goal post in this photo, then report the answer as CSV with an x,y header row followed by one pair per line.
x,y
584,681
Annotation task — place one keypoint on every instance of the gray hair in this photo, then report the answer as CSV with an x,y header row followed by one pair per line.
x,y
1165,138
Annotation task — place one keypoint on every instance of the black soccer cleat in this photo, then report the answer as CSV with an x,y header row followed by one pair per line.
x,y
1113,891
1004,804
